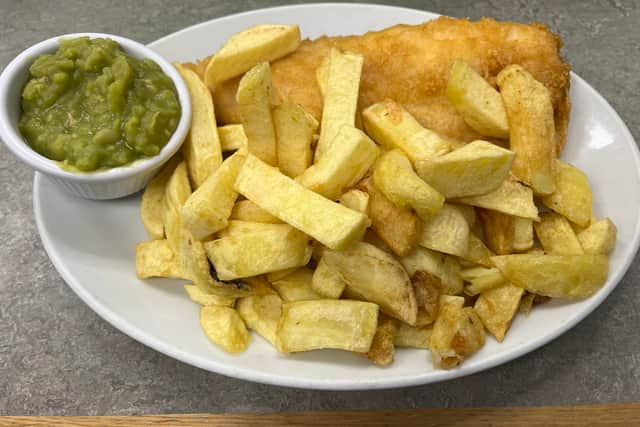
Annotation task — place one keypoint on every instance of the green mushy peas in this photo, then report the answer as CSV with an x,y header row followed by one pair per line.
x,y
90,106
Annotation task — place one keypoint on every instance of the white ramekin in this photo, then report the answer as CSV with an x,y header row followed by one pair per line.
x,y
108,184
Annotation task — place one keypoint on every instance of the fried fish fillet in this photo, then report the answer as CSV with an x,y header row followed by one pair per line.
x,y
410,65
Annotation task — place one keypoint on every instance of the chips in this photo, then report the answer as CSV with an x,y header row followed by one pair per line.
x,y
406,257
342,324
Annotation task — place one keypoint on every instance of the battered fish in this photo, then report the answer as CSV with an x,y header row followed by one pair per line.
x,y
410,64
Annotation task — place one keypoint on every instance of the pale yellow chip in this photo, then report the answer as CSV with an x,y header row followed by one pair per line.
x,y
151,203
247,48
206,299
340,324
556,235
154,258
202,149
208,209
532,132
599,237
255,98
476,168
522,234
479,104
261,313
391,126
246,210
296,286
330,223
232,137
355,199
447,231
225,327
327,281
294,129
345,162
341,97
496,307
572,197
412,336
267,248
393,175
556,276
444,267
510,197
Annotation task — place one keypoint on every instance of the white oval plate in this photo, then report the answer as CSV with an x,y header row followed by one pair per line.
x,y
91,243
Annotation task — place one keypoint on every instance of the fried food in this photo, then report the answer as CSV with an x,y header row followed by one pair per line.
x,y
410,64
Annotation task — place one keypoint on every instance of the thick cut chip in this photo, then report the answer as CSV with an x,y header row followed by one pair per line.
x,y
556,235
378,277
572,198
556,276
341,324
246,210
206,299
294,134
397,227
232,137
457,333
412,336
446,268
202,149
481,279
382,347
479,104
255,97
189,252
207,210
391,126
267,248
476,168
224,327
296,286
341,97
277,275
151,203
477,251
510,197
330,223
177,191
261,313
522,234
393,175
244,50
496,308
532,132
355,199
327,281
447,231
599,237
155,258
499,230
345,162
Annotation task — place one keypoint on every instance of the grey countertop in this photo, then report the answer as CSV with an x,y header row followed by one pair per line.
x,y
57,357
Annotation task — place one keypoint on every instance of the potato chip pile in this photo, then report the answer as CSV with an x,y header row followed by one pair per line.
x,y
366,231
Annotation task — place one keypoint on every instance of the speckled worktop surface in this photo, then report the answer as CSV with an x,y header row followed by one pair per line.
x,y
59,358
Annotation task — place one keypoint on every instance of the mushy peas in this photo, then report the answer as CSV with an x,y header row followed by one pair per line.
x,y
92,107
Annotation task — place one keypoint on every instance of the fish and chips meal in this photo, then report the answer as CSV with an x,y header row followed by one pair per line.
x,y
402,188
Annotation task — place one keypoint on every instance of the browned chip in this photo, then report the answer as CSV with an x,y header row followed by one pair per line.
x,y
382,346
427,289
397,227
498,230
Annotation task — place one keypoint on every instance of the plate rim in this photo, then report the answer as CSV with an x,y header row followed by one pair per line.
x,y
332,384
